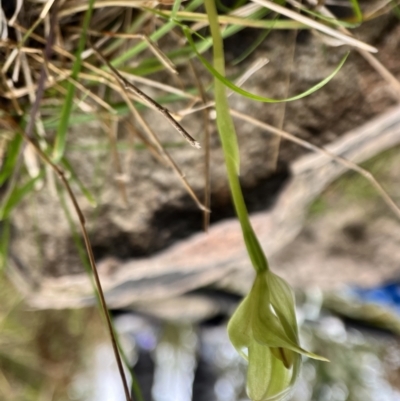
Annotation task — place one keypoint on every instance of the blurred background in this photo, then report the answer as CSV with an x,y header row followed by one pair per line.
x,y
182,353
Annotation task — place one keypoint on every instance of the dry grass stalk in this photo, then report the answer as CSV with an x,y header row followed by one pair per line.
x,y
149,101
316,25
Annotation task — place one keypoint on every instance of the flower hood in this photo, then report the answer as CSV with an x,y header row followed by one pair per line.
x,y
264,331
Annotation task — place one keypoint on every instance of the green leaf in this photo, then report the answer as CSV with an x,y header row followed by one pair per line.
x,y
330,20
13,148
275,328
283,383
282,299
266,326
260,371
272,345
267,377
253,96
357,10
239,328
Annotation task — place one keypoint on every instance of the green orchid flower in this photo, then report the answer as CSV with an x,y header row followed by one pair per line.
x,y
264,331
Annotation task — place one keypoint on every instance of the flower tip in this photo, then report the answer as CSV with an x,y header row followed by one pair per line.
x,y
317,357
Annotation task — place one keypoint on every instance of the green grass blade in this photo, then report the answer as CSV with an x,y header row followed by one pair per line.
x,y
61,135
5,229
182,55
86,264
395,8
227,134
175,8
13,149
357,10
253,96
16,195
158,34
330,20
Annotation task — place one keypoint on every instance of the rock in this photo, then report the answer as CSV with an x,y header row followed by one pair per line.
x,y
219,257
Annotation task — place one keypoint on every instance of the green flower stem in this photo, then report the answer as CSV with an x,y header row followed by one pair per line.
x,y
230,146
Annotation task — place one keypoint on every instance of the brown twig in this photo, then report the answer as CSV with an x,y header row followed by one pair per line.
x,y
167,157
207,134
28,135
124,93
164,111
89,251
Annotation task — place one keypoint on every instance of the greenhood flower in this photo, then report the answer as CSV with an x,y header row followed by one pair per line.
x,y
264,331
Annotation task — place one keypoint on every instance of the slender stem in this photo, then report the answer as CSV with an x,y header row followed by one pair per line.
x,y
28,135
89,251
230,147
